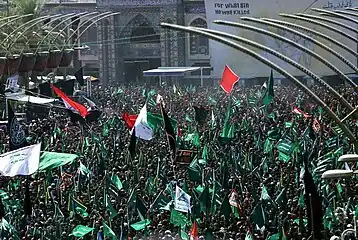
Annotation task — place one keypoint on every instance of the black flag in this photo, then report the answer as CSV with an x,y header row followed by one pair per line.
x,y
132,144
15,130
27,200
313,203
45,89
169,130
79,76
201,114
2,209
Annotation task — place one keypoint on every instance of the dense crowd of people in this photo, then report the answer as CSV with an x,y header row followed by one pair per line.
x,y
118,190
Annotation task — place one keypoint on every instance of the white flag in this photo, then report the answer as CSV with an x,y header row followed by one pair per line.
x,y
23,161
142,129
182,200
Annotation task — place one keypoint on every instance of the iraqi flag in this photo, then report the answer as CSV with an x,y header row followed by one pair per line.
x,y
228,79
70,104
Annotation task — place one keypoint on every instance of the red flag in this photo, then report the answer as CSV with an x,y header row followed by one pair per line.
x,y
228,80
70,104
300,112
129,119
194,232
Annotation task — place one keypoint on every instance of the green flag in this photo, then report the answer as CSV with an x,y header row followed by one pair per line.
x,y
264,194
183,234
248,236
117,182
187,118
80,231
259,215
108,232
161,201
51,160
140,225
105,129
140,206
225,207
274,237
178,219
227,125
76,206
269,93
110,208
205,200
194,171
84,170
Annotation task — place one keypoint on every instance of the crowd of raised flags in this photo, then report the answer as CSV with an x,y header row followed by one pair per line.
x,y
25,160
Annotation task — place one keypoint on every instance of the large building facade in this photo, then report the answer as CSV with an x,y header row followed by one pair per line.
x,y
124,45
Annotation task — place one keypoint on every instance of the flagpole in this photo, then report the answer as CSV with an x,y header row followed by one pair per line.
x,y
312,218
171,155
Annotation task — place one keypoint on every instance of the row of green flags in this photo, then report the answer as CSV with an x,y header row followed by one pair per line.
x,y
212,191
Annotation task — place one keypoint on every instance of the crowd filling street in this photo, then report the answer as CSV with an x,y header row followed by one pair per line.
x,y
238,160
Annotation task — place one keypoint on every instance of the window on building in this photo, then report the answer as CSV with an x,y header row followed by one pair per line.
x,y
144,33
198,44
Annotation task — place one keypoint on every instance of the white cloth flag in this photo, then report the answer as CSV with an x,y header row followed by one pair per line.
x,y
182,200
142,129
23,161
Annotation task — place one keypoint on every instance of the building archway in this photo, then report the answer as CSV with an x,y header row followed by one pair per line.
x,y
141,48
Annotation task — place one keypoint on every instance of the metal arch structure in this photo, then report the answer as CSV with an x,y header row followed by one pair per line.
x,y
22,34
275,67
70,23
104,15
335,14
32,23
65,17
53,29
321,18
327,48
326,26
11,21
289,41
38,61
317,33
92,23
314,76
347,12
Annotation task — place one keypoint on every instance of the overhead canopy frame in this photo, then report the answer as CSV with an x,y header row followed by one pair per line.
x,y
173,72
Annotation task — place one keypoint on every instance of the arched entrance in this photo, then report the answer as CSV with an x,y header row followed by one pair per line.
x,y
141,49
